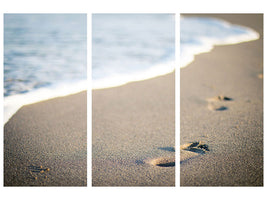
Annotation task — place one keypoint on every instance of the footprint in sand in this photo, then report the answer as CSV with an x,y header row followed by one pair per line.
x,y
163,162
216,107
38,172
219,98
168,161
214,103
192,149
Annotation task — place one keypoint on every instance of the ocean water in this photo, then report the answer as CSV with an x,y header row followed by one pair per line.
x,y
45,54
201,34
131,47
44,57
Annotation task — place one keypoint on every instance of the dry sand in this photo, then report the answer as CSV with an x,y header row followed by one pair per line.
x,y
45,144
133,134
231,128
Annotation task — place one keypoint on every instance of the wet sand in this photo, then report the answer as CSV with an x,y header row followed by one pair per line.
x,y
45,144
231,127
133,134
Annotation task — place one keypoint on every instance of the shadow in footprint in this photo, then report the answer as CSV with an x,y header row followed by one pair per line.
x,y
221,108
159,162
170,164
163,162
171,149
168,161
216,108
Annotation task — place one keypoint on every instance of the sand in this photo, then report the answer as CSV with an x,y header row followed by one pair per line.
x,y
133,134
231,128
45,144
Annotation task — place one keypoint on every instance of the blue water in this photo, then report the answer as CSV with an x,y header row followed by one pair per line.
x,y
201,34
130,47
44,55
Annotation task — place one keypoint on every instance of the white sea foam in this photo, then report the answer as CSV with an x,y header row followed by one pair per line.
x,y
121,79
201,34
13,103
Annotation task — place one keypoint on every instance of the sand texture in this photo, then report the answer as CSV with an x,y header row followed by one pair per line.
x,y
133,134
45,144
222,106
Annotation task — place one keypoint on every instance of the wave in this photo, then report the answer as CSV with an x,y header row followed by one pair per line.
x,y
201,34
118,79
13,103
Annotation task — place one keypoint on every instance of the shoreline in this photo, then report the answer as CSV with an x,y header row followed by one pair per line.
x,y
209,44
154,71
45,143
14,102
231,125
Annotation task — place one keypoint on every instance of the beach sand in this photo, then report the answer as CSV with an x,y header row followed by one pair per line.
x,y
133,134
231,129
45,144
